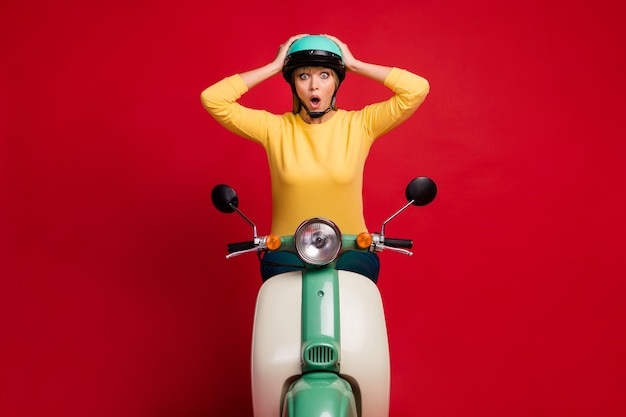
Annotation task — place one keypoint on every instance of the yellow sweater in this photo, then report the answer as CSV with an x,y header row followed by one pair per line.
x,y
316,169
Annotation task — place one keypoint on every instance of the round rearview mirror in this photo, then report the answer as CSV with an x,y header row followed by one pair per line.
x,y
224,198
421,191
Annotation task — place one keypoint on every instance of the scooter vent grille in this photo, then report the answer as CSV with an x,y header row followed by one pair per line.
x,y
321,355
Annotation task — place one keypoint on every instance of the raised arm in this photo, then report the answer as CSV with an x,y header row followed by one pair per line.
x,y
409,89
258,75
375,72
220,99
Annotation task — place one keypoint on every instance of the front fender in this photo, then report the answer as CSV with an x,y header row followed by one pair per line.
x,y
320,394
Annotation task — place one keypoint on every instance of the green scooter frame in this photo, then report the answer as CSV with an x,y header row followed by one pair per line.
x,y
320,391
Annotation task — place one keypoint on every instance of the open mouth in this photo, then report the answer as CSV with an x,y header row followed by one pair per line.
x,y
315,102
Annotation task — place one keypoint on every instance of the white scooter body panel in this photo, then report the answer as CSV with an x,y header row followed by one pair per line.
x,y
276,344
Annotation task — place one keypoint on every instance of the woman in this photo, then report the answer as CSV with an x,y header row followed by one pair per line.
x,y
317,152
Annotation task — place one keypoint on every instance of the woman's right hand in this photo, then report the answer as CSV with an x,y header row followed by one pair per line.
x,y
279,61
255,76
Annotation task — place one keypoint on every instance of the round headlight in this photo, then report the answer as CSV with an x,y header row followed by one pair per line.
x,y
318,241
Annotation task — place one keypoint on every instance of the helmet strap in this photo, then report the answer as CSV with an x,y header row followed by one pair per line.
x,y
318,114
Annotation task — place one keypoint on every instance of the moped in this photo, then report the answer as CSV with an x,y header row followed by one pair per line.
x,y
319,342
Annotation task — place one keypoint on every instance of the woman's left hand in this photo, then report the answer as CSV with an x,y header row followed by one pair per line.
x,y
348,59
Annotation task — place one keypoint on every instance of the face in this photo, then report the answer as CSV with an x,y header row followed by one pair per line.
x,y
315,86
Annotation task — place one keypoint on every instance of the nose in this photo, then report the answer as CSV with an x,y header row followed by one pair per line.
x,y
313,85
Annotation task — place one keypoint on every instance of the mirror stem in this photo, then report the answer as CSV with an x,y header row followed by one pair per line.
x,y
382,229
245,218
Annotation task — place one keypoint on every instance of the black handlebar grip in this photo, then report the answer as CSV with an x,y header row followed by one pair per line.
x,y
399,243
236,247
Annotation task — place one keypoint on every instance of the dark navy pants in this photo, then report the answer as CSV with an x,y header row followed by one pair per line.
x,y
364,263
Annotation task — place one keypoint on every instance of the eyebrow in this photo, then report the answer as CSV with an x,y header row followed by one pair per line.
x,y
302,70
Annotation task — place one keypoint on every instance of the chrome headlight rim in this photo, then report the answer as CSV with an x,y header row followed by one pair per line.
x,y
327,230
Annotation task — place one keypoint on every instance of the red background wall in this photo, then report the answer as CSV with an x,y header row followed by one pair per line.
x,y
116,299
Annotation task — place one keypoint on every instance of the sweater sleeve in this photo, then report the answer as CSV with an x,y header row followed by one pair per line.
x,y
220,100
410,91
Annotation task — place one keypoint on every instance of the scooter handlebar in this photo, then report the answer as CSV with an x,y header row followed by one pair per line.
x,y
241,246
398,243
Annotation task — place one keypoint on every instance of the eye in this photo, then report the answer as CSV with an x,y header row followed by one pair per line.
x,y
303,76
324,74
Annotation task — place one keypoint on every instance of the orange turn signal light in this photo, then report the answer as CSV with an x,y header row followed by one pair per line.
x,y
273,242
364,240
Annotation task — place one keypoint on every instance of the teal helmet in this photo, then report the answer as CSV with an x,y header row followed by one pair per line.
x,y
316,51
